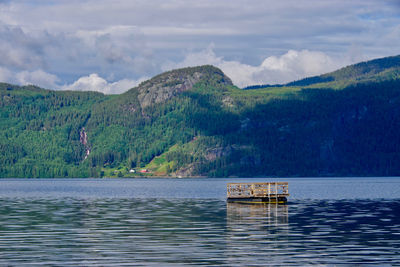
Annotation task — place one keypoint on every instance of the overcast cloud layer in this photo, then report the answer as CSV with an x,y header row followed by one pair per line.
x,y
111,46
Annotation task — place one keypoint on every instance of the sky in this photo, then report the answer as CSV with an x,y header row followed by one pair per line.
x,y
112,45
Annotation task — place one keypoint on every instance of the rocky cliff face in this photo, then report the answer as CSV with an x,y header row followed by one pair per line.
x,y
166,85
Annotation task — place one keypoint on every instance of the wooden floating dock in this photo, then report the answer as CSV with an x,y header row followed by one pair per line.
x,y
273,192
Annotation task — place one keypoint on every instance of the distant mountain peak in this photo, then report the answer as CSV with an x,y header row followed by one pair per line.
x,y
359,71
385,68
168,84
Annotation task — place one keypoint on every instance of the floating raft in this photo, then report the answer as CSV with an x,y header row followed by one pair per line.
x,y
274,192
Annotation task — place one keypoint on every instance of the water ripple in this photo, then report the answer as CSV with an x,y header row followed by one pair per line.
x,y
82,232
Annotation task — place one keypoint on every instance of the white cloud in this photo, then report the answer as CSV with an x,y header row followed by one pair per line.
x,y
37,77
274,69
126,40
94,82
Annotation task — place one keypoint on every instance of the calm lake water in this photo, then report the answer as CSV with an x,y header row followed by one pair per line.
x,y
179,222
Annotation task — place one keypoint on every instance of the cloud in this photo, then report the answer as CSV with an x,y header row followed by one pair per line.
x,y
37,77
120,52
297,64
20,50
5,75
118,46
94,82
261,41
290,66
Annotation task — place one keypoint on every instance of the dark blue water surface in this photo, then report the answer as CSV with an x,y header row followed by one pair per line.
x,y
179,222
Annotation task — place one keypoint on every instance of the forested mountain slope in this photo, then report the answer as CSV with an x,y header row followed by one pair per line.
x,y
381,69
194,122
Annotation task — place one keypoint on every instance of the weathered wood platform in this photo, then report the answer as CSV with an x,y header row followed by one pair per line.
x,y
272,192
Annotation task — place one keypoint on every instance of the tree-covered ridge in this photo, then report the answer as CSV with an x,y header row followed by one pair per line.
x,y
381,69
193,121
40,131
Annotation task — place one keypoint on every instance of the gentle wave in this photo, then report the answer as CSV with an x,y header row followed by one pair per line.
x,y
173,232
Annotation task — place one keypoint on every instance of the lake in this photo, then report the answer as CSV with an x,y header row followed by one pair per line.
x,y
180,222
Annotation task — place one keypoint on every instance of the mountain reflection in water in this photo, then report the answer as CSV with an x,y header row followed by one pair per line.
x,y
68,231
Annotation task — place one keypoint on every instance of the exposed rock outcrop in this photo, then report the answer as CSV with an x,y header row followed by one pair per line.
x,y
166,85
217,152
166,88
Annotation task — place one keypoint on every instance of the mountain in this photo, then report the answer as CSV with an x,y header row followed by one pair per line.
x,y
195,122
381,69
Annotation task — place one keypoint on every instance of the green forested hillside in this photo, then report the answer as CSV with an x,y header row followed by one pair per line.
x,y
377,70
194,122
40,131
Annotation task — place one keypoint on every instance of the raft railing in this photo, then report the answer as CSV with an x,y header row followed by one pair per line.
x,y
258,190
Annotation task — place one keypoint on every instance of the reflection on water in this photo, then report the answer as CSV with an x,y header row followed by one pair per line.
x,y
173,232
255,233
273,214
315,232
